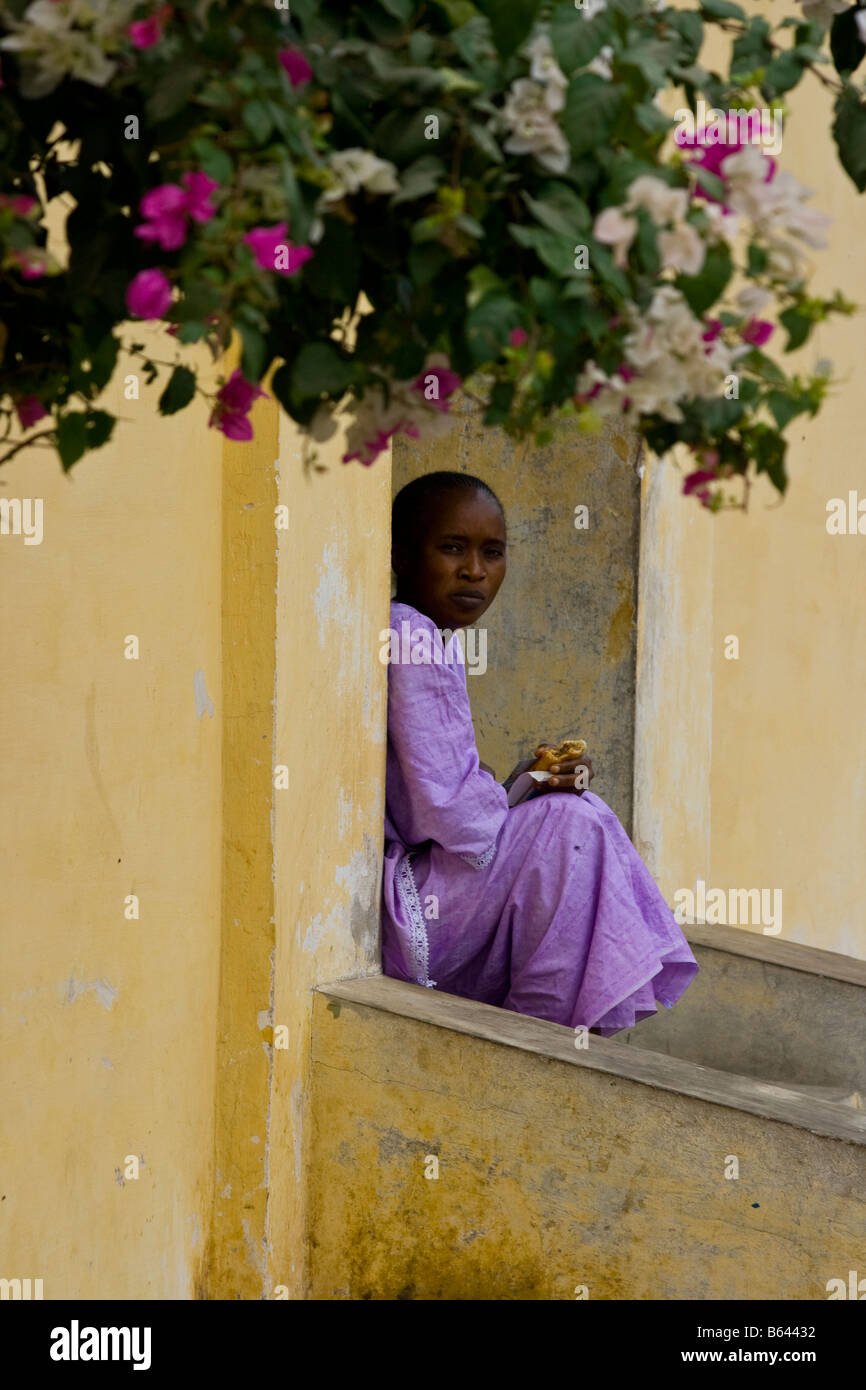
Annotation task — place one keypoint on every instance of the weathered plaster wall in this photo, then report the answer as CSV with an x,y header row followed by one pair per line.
x,y
552,1177
111,786
561,634
329,731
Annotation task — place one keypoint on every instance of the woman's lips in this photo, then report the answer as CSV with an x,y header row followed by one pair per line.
x,y
468,600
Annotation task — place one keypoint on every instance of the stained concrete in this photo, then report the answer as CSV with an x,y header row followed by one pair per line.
x,y
559,1174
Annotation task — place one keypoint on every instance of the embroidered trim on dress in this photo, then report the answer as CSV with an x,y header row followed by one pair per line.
x,y
480,861
420,946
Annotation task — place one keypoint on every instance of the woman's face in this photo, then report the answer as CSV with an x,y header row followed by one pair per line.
x,y
454,570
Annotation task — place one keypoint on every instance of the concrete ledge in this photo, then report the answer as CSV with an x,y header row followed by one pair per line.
x,y
602,1055
741,941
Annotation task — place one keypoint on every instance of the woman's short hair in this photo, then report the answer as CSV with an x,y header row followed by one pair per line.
x,y
412,501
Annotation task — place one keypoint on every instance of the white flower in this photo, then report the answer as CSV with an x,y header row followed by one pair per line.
x,y
70,39
723,226
544,68
600,65
823,10
752,298
590,8
663,203
615,229
682,249
533,128
354,169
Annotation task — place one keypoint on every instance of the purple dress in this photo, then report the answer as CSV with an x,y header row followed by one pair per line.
x,y
545,908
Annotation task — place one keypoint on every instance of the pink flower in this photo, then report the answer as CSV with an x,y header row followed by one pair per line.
x,y
697,482
756,332
30,409
714,328
234,400
167,207
517,337
713,156
144,33
273,250
447,382
148,295
295,66
31,263
199,188
372,448
19,203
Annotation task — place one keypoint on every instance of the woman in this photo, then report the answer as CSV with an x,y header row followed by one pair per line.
x,y
544,908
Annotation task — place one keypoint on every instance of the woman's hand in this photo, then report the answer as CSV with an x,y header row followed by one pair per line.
x,y
565,776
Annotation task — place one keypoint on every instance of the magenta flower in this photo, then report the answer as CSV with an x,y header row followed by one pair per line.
x,y
167,207
144,33
31,263
198,190
148,295
30,409
517,337
714,328
756,332
273,250
295,66
697,482
234,400
713,156
447,383
19,203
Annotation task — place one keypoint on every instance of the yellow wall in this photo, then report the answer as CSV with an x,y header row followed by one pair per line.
x,y
111,786
750,772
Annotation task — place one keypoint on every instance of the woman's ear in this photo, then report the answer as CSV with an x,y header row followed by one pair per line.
x,y
399,560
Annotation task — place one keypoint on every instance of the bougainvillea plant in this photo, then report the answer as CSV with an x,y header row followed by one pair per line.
x,y
555,207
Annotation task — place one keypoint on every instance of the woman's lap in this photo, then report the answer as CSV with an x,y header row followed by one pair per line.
x,y
565,922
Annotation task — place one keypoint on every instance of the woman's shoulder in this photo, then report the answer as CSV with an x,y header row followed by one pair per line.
x,y
404,612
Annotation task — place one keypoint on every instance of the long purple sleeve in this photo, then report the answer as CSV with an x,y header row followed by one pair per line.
x,y
435,789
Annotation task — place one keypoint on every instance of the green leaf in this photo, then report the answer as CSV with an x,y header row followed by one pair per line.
x,y
849,132
651,119
558,208
690,27
799,326
179,391
763,366
486,143
173,90
255,352
191,332
500,403
784,408
783,73
592,108
846,45
701,291
651,58
488,326
721,9
555,250
214,162
318,368
510,22
399,9
258,120
575,40
80,431
711,183
426,261
420,179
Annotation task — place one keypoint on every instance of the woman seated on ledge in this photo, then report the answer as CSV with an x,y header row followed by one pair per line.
x,y
545,908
